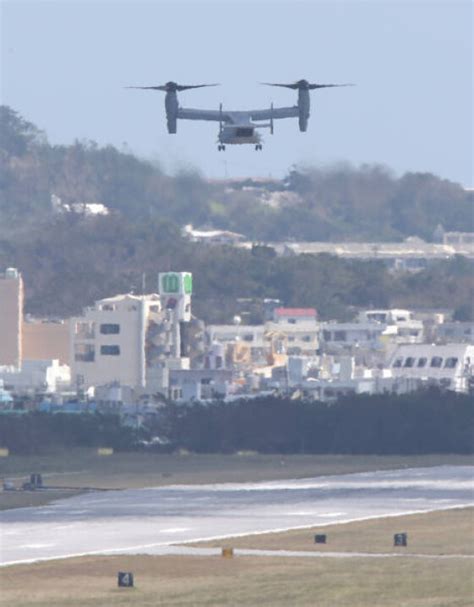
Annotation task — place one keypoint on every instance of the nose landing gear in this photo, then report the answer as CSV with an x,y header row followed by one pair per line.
x,y
259,147
221,147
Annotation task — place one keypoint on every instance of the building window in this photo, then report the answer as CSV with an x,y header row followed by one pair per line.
x,y
436,362
110,329
84,353
84,330
398,363
327,335
79,380
340,336
107,308
110,350
422,362
307,338
409,362
295,351
377,317
248,337
451,362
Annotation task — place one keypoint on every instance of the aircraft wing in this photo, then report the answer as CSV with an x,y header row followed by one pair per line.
x,y
275,113
190,114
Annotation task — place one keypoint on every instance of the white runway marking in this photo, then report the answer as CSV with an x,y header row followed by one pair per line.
x,y
36,546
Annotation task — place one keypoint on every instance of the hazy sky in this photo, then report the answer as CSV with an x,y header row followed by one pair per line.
x,y
64,65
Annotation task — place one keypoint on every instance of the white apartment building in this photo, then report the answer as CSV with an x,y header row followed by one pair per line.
x,y
456,331
294,315
451,366
241,345
257,345
347,335
44,376
294,339
402,326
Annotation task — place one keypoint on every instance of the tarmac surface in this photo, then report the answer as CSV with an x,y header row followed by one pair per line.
x,y
152,520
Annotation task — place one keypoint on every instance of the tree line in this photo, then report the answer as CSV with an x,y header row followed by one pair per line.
x,y
428,421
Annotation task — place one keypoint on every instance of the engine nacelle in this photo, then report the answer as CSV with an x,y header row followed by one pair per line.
x,y
171,105
303,108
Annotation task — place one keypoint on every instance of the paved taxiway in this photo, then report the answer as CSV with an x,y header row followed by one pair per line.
x,y
147,520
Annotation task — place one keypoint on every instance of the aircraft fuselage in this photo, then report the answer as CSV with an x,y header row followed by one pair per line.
x,y
238,135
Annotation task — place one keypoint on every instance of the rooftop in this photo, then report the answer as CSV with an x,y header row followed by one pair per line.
x,y
297,312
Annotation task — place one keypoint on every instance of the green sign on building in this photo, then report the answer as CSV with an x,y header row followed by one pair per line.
x,y
170,283
176,282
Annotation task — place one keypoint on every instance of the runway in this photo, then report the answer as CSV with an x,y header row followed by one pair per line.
x,y
148,520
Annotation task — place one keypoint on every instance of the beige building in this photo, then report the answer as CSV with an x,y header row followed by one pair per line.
x,y
44,340
131,339
108,342
11,317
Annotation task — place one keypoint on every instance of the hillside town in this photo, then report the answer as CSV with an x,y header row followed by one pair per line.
x,y
130,353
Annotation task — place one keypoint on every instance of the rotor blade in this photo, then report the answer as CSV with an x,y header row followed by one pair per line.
x,y
325,86
152,88
294,86
304,85
171,87
183,87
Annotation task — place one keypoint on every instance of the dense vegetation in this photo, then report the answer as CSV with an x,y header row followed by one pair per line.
x,y
429,421
32,433
339,203
75,262
68,261
423,422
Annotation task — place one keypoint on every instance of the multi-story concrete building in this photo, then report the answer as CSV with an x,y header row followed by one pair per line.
x,y
132,339
108,341
295,339
344,336
11,318
294,315
451,366
456,331
36,376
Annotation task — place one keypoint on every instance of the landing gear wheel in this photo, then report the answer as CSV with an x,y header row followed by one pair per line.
x,y
221,148
258,147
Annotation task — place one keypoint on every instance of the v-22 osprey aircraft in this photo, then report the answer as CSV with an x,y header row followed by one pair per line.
x,y
240,126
